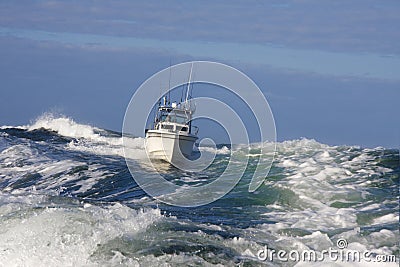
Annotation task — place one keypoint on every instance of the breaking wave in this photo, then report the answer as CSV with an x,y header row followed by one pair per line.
x,y
66,196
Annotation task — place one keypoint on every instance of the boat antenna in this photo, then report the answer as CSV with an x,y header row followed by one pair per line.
x,y
188,86
182,93
169,84
191,92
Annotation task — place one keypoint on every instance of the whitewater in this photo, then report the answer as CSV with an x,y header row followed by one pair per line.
x,y
67,198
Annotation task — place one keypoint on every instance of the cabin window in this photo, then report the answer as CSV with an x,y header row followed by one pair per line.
x,y
176,117
167,127
183,129
181,120
163,117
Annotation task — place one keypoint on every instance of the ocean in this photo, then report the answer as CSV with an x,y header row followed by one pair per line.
x,y
67,198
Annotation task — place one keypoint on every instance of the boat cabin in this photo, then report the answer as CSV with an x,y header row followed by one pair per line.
x,y
173,119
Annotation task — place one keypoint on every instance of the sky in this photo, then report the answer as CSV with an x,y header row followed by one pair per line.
x,y
330,70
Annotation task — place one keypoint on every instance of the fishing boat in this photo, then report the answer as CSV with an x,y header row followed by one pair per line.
x,y
172,136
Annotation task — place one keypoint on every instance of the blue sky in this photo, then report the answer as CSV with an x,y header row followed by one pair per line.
x,y
329,69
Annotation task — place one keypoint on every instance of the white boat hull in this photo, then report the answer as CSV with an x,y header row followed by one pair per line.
x,y
169,146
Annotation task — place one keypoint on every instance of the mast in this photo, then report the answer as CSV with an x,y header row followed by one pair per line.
x,y
188,86
169,84
187,99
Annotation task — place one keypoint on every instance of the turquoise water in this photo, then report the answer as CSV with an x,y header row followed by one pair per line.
x,y
67,198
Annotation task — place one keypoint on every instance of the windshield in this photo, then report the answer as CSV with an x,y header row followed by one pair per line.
x,y
173,117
